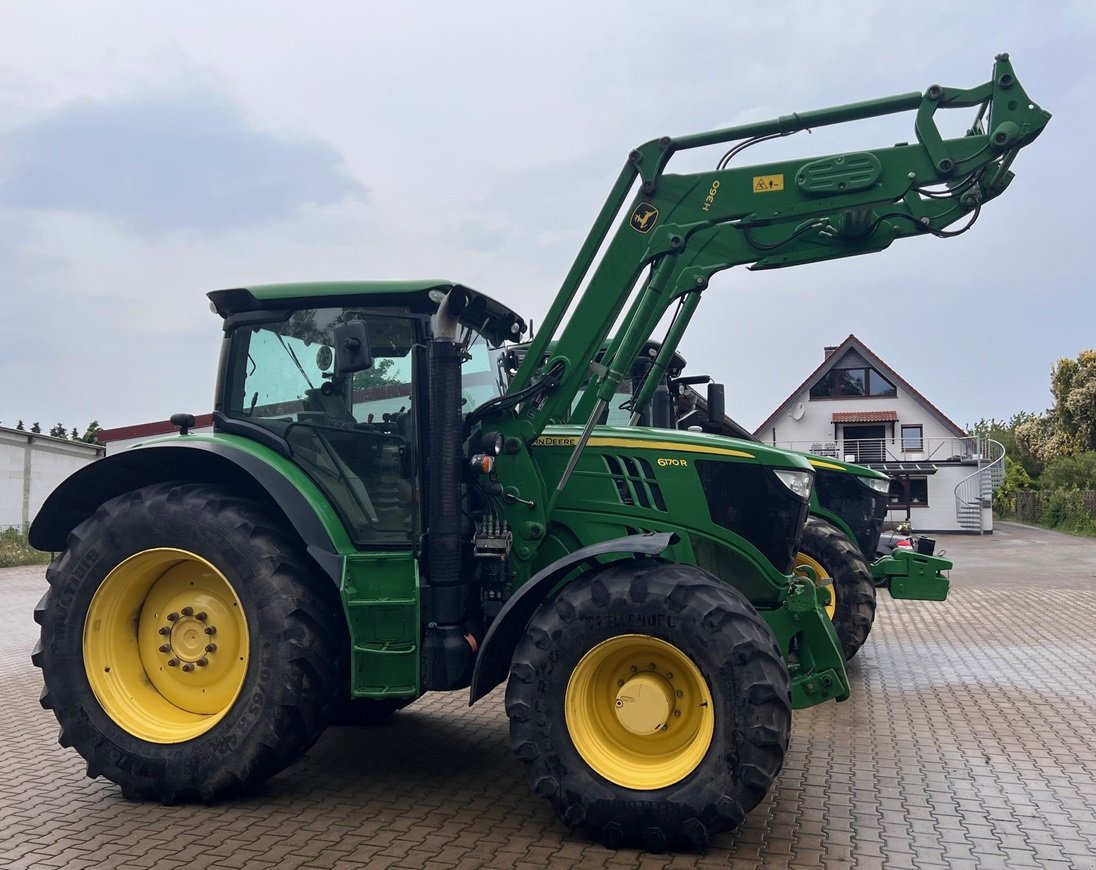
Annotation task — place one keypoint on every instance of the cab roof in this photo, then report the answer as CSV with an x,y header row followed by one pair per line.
x,y
495,320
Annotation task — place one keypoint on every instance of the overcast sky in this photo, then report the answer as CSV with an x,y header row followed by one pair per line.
x,y
150,153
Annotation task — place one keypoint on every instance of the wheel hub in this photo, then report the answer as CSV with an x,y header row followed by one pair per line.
x,y
645,703
190,637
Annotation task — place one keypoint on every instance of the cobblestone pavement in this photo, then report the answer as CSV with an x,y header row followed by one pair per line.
x,y
969,741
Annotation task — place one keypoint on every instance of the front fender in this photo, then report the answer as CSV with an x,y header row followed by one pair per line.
x,y
226,461
502,637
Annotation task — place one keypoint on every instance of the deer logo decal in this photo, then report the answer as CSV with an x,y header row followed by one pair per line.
x,y
644,217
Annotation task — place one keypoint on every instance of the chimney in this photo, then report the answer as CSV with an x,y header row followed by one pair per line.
x,y
827,351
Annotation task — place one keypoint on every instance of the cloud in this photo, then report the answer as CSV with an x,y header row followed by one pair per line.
x,y
167,163
145,159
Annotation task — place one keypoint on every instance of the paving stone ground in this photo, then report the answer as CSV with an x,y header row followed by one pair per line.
x,y
969,742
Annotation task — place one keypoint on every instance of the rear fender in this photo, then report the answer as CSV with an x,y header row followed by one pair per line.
x,y
197,459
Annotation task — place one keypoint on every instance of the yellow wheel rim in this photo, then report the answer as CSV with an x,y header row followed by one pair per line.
x,y
165,645
639,712
820,576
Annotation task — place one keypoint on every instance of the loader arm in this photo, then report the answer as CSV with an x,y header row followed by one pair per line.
x,y
685,228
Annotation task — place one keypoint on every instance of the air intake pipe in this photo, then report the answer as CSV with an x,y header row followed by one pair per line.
x,y
447,656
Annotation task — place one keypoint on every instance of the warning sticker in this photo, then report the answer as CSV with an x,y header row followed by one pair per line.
x,y
766,183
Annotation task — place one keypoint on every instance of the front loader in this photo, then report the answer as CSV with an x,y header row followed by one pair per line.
x,y
365,523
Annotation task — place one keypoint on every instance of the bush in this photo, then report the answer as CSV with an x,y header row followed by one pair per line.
x,y
1077,471
1067,511
14,550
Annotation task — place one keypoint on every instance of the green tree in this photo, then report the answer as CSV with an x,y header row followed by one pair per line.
x,y
375,376
1076,471
35,428
1070,426
1010,433
19,426
91,434
59,431
1073,385
1016,480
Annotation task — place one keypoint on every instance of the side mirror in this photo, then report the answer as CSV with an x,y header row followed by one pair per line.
x,y
352,353
717,404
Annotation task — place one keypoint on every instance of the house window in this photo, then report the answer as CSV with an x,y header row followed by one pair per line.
x,y
909,492
913,438
852,382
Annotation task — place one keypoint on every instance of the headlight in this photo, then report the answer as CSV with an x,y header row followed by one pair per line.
x,y
799,482
878,484
491,443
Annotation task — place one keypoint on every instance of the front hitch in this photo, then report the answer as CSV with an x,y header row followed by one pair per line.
x,y
805,634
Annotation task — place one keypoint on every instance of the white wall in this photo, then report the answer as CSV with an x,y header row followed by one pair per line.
x,y
31,467
816,422
939,514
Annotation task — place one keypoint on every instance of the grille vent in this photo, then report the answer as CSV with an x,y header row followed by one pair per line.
x,y
635,482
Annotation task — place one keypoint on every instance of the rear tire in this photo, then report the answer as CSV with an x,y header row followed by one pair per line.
x,y
188,652
591,688
829,553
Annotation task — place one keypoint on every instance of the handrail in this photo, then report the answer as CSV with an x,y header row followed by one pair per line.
x,y
949,449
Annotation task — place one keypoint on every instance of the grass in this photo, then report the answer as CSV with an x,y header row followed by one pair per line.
x,y
14,550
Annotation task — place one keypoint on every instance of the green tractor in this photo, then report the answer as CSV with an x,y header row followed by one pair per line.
x,y
839,546
848,502
369,521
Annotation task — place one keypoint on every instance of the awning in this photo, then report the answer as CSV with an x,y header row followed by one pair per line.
x,y
865,416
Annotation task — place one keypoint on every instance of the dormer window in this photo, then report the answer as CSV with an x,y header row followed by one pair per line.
x,y
859,381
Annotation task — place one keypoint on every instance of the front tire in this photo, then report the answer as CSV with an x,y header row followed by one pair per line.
x,y
187,651
835,561
651,705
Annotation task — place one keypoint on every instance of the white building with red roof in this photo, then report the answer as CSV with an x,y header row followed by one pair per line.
x,y
124,437
856,408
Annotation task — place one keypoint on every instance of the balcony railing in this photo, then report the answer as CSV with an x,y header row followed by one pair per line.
x,y
873,450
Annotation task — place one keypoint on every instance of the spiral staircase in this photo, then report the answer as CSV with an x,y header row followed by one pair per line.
x,y
975,492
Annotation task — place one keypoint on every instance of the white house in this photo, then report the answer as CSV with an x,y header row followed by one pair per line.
x,y
857,408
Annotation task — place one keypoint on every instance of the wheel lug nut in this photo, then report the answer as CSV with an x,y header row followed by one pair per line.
x,y
201,616
165,630
202,662
165,647
211,647
209,629
188,611
173,663
172,617
188,667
